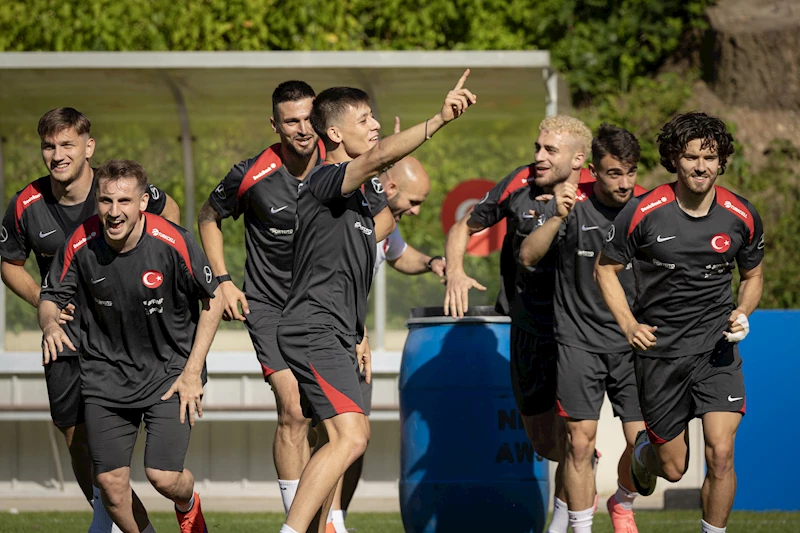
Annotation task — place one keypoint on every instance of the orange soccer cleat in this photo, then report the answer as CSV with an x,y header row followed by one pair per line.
x,y
621,519
193,521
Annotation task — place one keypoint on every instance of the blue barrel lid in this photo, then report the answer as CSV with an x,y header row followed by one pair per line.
x,y
435,315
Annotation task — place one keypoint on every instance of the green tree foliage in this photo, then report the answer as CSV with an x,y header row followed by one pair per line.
x,y
601,46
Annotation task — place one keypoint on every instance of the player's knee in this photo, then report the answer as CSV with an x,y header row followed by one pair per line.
x,y
114,486
163,481
719,458
580,447
673,470
290,417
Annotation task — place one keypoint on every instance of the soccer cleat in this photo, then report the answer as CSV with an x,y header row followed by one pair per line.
x,y
621,519
644,481
192,521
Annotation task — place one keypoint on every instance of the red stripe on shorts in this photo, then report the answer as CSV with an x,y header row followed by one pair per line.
x,y
340,402
654,439
267,371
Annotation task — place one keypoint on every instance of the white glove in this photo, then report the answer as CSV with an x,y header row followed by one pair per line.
x,y
739,335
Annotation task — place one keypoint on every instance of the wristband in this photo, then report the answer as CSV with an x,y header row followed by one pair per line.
x,y
223,278
432,259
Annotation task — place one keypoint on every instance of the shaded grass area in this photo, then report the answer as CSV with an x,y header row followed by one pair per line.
x,y
649,521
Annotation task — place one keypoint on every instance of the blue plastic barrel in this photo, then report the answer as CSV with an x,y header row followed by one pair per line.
x,y
466,463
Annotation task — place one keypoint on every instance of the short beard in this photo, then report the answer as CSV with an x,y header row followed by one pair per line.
x,y
293,150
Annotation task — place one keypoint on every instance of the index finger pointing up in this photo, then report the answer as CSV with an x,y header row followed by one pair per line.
x,y
461,80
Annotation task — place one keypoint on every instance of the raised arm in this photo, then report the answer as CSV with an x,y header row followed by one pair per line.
x,y
396,147
537,243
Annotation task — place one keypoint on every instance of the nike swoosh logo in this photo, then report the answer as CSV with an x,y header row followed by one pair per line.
x,y
96,281
364,203
527,215
730,399
588,228
273,210
665,239
42,234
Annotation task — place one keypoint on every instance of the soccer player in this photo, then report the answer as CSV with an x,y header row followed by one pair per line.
x,y
687,237
406,185
335,243
38,220
149,314
264,190
594,357
561,150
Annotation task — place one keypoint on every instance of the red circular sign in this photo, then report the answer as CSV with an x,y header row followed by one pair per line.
x,y
721,242
152,279
458,202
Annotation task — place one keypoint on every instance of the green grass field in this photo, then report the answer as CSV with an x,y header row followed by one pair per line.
x,y
648,522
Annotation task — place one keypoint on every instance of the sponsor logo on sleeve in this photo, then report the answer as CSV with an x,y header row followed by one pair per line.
x,y
611,232
4,234
485,197
161,235
152,279
46,281
155,194
728,205
220,191
721,242
377,185
208,273
760,244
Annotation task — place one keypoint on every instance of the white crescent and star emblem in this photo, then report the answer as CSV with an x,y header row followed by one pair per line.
x,y
721,242
152,279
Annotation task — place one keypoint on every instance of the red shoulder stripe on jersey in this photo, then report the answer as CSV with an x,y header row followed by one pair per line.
x,y
584,191
638,190
29,196
161,229
519,181
656,199
729,201
268,162
79,238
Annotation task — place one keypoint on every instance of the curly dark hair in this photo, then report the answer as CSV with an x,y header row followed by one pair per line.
x,y
683,129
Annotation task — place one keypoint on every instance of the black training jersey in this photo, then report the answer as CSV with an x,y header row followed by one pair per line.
x,y
334,252
142,308
265,192
686,263
35,221
493,208
582,318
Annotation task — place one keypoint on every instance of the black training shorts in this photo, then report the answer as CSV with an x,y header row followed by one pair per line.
x,y
584,378
533,371
112,435
324,363
674,390
262,325
63,378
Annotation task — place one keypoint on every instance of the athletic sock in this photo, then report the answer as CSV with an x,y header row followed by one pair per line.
x,y
187,507
581,521
115,528
149,528
287,529
337,517
625,497
288,492
101,521
560,521
708,528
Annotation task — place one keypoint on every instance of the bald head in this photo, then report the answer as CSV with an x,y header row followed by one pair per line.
x,y
406,185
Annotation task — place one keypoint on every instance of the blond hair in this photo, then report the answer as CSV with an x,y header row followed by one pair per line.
x,y
571,126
